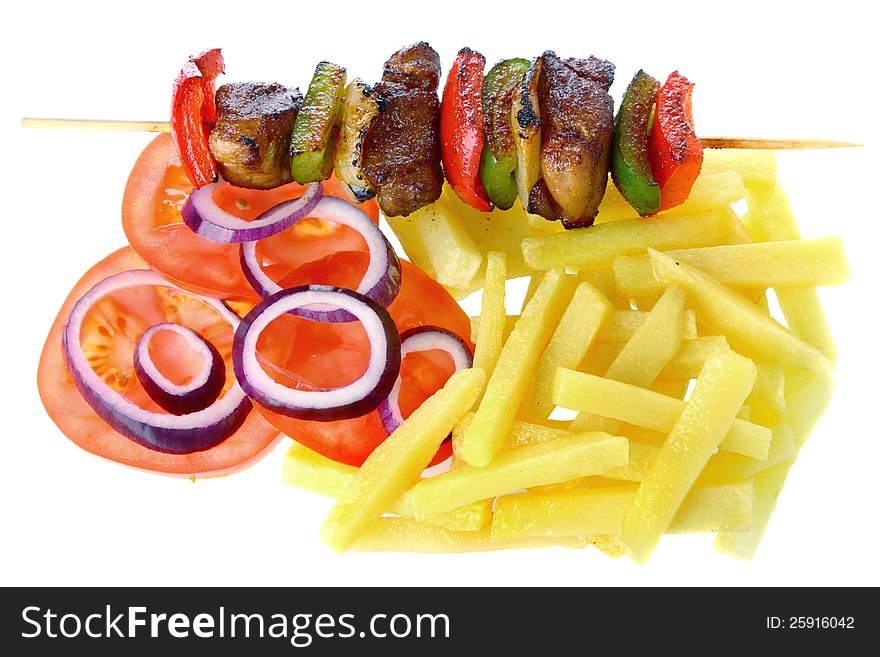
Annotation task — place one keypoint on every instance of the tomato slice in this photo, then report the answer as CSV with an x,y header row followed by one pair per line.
x,y
154,195
314,355
109,333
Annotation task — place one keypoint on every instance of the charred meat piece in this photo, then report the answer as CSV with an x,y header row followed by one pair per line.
x,y
577,120
401,149
416,67
251,139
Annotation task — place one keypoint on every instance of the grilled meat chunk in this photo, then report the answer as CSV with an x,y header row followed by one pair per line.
x,y
416,67
251,139
401,149
577,116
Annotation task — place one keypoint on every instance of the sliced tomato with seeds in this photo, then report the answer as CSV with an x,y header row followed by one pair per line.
x,y
154,195
108,337
311,355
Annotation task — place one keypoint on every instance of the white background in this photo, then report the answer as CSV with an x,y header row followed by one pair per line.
x,y
762,69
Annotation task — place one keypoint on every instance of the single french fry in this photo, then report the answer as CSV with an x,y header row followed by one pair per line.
x,y
306,469
718,394
581,322
654,344
623,324
687,363
403,535
519,355
492,314
454,256
649,409
770,219
757,168
784,264
512,470
601,511
748,328
400,459
640,458
597,246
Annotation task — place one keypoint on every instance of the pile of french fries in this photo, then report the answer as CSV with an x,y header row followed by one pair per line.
x,y
692,400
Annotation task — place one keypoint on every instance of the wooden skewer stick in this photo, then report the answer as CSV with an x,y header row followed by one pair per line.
x,y
95,124
164,126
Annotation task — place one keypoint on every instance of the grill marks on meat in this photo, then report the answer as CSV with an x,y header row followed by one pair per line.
x,y
251,139
401,149
577,116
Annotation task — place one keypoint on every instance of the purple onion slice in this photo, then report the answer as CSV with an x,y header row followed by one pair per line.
x,y
163,432
381,281
199,392
422,338
326,404
210,221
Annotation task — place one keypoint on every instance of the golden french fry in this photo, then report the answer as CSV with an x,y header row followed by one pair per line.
x,y
492,314
654,344
581,322
793,263
718,394
511,470
649,409
623,324
748,328
601,511
403,535
400,459
597,246
510,378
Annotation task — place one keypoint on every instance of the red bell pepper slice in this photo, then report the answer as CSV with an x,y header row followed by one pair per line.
x,y
461,128
193,114
675,151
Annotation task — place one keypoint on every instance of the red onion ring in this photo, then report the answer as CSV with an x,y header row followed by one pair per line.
x,y
209,220
351,400
162,432
422,338
200,392
381,281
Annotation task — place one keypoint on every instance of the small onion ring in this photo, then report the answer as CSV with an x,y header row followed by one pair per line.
x,y
162,432
381,281
422,338
207,219
200,392
351,400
